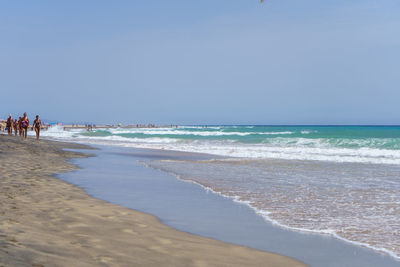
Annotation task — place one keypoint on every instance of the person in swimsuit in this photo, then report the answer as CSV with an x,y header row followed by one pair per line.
x,y
9,124
24,125
16,127
20,126
37,124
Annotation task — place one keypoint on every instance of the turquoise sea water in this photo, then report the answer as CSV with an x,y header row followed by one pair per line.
x,y
363,144
341,136
338,180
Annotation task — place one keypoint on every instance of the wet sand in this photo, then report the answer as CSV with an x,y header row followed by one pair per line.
x,y
47,222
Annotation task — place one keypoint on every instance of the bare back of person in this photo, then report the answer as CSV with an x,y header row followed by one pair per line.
x,y
9,125
16,127
20,126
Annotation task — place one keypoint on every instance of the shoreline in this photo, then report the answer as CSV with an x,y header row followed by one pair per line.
x,y
263,214
58,223
268,219
259,212
119,176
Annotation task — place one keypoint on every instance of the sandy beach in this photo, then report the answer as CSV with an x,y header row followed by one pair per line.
x,y
47,222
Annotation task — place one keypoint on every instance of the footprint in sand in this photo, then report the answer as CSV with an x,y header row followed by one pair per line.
x,y
164,241
129,231
159,249
12,239
74,225
110,217
104,259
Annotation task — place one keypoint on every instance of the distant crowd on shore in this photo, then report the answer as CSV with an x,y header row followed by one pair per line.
x,y
21,126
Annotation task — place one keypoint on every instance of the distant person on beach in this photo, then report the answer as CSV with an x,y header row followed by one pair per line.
x,y
9,124
20,126
24,125
37,124
16,127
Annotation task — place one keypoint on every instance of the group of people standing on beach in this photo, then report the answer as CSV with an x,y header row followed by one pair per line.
x,y
21,126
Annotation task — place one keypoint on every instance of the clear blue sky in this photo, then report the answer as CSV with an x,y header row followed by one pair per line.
x,y
202,62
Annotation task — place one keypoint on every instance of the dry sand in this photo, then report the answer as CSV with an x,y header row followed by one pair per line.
x,y
47,222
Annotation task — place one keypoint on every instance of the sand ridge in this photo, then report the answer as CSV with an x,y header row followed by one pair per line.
x,y
47,222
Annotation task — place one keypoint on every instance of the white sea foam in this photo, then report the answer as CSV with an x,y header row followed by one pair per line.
x,y
195,133
363,155
352,203
296,148
307,131
366,213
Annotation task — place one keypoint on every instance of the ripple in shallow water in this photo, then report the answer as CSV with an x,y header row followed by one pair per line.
x,y
357,202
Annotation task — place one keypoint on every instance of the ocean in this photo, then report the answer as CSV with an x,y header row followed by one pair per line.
x,y
337,180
